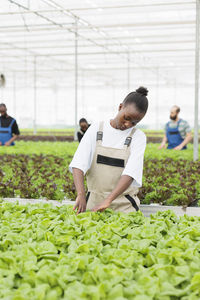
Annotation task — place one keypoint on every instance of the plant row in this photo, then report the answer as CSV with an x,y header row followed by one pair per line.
x,y
166,181
171,182
35,176
49,253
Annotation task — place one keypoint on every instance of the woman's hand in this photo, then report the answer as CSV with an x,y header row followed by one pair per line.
x,y
179,147
123,183
163,145
101,207
80,204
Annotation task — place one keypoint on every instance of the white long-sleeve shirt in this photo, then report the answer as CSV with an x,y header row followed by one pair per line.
x,y
114,138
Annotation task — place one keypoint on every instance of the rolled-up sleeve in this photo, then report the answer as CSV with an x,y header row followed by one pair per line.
x,y
134,166
84,154
187,127
15,129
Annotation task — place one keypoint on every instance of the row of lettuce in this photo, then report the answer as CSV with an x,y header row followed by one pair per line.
x,y
49,253
40,170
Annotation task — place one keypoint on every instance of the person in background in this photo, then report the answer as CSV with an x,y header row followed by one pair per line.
x,y
83,128
111,154
177,132
9,130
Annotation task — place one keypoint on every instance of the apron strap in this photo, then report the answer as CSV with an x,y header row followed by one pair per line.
x,y
134,204
100,134
129,138
12,122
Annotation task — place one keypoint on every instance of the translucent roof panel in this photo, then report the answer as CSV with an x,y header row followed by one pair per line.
x,y
112,36
120,45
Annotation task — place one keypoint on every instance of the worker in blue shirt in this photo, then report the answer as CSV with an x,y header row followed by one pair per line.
x,y
9,130
177,132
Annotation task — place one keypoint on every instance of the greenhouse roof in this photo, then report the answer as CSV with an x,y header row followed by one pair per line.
x,y
116,39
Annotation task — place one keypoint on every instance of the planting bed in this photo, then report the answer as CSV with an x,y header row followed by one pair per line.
x,y
46,138
40,170
63,135
50,253
171,182
47,252
35,176
70,138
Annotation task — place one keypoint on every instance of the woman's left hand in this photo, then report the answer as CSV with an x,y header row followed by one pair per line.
x,y
101,207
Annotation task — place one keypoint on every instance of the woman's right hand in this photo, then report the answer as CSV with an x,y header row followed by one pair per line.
x,y
80,204
163,145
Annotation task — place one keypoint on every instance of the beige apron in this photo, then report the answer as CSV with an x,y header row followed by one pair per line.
x,y
106,169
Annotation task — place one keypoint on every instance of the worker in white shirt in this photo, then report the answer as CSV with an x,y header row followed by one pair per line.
x,y
111,155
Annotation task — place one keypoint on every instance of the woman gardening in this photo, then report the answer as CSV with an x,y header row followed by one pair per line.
x,y
111,156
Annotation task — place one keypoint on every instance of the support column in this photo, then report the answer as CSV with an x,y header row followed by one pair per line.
x,y
76,79
157,99
196,106
14,94
35,96
128,72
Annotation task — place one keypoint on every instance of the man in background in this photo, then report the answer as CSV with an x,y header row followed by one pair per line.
x,y
177,131
9,130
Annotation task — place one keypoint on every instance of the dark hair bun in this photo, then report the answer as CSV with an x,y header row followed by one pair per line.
x,y
142,90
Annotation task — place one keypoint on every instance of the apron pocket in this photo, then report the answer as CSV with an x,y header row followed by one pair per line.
x,y
3,131
110,161
173,132
132,202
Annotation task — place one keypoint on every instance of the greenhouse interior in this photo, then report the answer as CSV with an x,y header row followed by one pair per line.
x,y
99,150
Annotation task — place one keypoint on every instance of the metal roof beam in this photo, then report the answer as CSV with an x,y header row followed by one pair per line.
x,y
11,27
100,53
61,26
163,36
90,46
105,69
180,4
117,25
150,24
